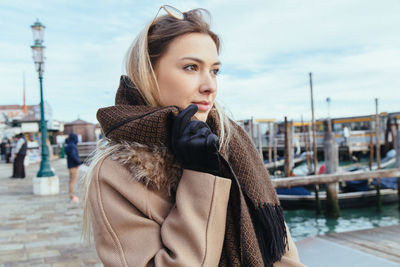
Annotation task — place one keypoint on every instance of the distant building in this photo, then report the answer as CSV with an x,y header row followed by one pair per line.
x,y
14,115
82,128
26,119
8,113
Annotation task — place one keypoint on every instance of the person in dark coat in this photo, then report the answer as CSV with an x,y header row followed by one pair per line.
x,y
8,151
20,153
73,163
3,149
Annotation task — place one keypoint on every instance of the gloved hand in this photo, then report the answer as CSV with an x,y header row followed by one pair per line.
x,y
193,143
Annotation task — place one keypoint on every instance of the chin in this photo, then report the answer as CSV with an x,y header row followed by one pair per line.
x,y
202,116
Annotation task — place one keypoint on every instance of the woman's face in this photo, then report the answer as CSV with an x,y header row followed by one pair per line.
x,y
186,73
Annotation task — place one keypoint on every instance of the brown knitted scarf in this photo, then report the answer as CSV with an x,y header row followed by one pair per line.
x,y
255,230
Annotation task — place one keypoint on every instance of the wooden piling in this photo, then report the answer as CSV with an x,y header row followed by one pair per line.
x,y
259,141
275,145
269,144
308,149
331,156
378,156
371,146
291,145
317,200
306,140
398,162
377,135
251,128
288,147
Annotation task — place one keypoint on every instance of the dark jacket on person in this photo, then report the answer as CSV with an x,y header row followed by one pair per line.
x,y
71,151
3,148
22,151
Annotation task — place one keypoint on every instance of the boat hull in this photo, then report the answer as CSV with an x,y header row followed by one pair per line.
x,y
346,200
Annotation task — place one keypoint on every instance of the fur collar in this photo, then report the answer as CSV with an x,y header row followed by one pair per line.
x,y
152,166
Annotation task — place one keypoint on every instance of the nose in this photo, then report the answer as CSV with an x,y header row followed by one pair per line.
x,y
208,84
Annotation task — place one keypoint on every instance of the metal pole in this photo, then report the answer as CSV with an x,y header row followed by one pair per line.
x,y
315,155
45,169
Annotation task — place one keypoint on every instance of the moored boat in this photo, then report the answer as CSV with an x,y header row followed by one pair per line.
x,y
352,194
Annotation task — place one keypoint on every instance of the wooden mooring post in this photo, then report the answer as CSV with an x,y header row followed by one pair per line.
x,y
251,128
398,162
331,156
288,147
378,156
371,145
259,141
275,144
270,141
308,149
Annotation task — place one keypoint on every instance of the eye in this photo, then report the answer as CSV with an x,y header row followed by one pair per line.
x,y
191,67
215,72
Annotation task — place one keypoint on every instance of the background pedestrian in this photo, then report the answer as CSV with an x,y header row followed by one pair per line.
x,y
73,163
19,157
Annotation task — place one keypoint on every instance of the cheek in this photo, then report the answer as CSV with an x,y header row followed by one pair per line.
x,y
175,88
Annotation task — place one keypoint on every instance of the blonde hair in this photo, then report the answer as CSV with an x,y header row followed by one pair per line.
x,y
151,44
143,54
102,151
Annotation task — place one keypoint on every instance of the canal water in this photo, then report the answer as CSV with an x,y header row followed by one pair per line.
x,y
305,223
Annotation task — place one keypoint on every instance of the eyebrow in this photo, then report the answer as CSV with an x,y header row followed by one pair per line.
x,y
200,61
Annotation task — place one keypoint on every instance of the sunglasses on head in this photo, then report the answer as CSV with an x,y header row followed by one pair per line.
x,y
172,11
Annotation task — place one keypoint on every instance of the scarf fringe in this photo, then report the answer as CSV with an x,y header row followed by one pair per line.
x,y
271,232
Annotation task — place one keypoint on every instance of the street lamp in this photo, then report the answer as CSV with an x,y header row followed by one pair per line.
x,y
328,101
38,58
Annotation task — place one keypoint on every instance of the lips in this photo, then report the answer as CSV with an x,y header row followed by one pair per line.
x,y
203,105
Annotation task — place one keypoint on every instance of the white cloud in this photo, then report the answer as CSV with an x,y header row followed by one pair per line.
x,y
351,81
352,48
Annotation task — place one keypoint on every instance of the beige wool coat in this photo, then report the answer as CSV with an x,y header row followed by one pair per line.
x,y
146,211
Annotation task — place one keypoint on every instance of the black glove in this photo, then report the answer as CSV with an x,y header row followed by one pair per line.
x,y
193,143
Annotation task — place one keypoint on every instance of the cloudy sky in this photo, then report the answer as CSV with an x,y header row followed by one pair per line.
x,y
352,47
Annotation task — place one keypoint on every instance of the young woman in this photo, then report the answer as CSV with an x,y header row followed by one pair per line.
x,y
175,182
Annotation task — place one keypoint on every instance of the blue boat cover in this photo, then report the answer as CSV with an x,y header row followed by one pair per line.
x,y
358,186
298,190
390,183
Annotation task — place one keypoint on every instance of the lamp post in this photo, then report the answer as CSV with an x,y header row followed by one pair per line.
x,y
38,58
328,101
46,182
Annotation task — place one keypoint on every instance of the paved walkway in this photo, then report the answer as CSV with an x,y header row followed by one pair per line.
x,y
40,230
322,251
